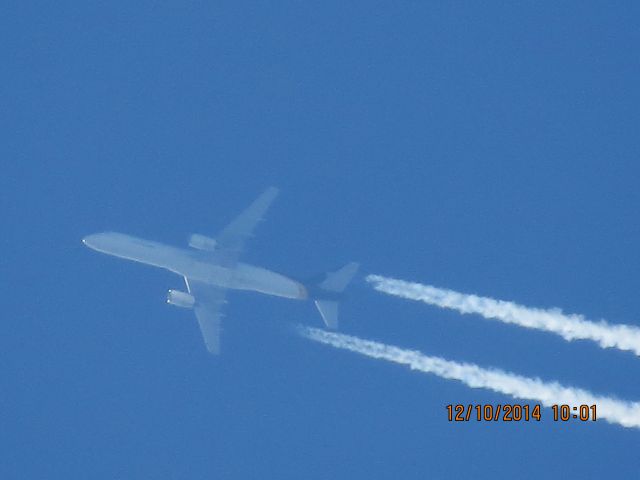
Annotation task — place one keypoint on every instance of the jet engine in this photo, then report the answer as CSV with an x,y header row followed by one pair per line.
x,y
200,242
180,299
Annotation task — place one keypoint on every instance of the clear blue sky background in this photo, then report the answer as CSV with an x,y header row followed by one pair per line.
x,y
489,148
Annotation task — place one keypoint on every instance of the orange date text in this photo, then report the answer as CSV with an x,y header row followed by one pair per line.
x,y
493,413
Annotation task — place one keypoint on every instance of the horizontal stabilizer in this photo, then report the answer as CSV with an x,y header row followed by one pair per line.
x,y
338,280
329,290
329,311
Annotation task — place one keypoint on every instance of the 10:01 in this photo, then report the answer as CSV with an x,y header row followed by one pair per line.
x,y
566,412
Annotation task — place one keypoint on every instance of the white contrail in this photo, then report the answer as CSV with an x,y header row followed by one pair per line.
x,y
610,409
570,327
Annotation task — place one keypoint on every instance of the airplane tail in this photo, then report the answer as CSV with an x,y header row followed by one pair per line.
x,y
328,292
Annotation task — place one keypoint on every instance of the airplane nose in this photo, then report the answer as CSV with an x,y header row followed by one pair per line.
x,y
102,241
90,240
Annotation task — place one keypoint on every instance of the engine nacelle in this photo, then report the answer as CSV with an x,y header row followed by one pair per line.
x,y
180,299
200,242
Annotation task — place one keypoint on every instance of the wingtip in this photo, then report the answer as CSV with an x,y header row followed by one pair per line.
x,y
213,348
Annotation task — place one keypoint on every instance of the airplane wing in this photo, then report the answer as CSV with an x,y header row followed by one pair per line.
x,y
231,240
209,302
209,299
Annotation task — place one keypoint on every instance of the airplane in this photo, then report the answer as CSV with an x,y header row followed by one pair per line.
x,y
211,267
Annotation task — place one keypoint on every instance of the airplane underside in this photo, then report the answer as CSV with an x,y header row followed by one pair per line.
x,y
211,267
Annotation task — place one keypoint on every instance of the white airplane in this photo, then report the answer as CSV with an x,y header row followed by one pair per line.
x,y
211,267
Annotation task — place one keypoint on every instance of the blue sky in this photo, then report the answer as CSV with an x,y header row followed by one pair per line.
x,y
485,148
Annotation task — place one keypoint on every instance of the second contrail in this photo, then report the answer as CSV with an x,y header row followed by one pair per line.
x,y
610,409
570,327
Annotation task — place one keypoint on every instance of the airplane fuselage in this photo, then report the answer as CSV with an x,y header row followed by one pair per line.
x,y
197,265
